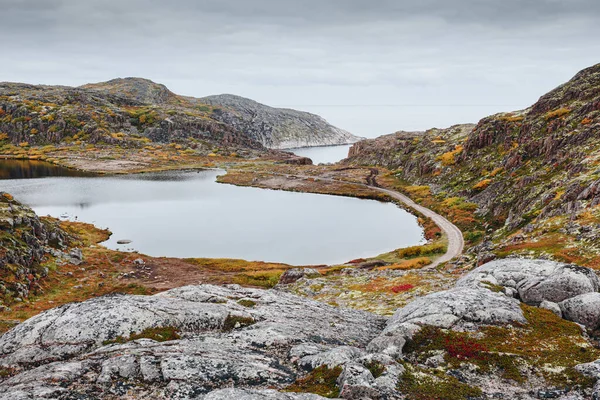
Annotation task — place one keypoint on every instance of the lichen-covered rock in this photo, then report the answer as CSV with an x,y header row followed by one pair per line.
x,y
535,280
294,274
24,240
583,309
551,306
86,346
248,394
458,308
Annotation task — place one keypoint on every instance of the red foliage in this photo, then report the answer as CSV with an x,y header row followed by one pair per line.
x,y
402,288
357,261
464,348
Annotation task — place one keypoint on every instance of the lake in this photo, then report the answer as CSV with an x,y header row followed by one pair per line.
x,y
188,214
323,154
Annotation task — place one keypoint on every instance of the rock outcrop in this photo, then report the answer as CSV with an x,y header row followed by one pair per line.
x,y
209,342
520,168
24,241
264,341
277,128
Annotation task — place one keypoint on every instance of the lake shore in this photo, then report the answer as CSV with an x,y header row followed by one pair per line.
x,y
106,271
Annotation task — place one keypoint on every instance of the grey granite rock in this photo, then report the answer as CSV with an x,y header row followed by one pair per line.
x,y
458,308
551,306
583,309
534,280
69,344
248,394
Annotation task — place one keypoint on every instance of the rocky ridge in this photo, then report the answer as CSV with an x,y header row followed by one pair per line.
x,y
277,128
522,169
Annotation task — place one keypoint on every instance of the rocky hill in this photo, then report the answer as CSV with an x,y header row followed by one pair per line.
x,y
277,128
534,170
131,111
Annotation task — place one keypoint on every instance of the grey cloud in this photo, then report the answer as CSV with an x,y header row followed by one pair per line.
x,y
319,52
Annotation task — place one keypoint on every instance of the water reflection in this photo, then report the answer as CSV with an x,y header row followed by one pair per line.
x,y
29,169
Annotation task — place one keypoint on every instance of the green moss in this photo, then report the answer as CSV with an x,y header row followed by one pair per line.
x,y
247,303
321,381
493,287
376,368
232,320
417,385
160,334
6,372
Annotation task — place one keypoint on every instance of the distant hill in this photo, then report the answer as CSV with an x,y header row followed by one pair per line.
x,y
134,108
277,128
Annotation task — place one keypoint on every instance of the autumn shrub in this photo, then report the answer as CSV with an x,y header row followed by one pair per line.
x,y
561,112
449,158
417,251
321,381
481,185
402,288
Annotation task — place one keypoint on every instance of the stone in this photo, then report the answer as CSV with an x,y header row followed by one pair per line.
x,y
551,306
357,382
264,351
583,309
249,394
534,280
294,274
457,308
591,369
339,355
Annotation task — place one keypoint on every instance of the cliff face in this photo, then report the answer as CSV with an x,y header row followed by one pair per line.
x,y
535,163
133,110
277,128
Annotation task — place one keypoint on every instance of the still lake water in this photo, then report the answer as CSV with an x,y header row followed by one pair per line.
x,y
188,214
323,154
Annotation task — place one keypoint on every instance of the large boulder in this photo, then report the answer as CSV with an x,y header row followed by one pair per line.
x,y
222,341
583,309
458,308
534,280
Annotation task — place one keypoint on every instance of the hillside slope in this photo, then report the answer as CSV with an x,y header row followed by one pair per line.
x,y
533,172
277,128
133,111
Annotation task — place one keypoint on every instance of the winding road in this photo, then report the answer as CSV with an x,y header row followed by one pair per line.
x,y
456,242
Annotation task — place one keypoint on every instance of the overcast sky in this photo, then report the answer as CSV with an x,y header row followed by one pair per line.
x,y
369,66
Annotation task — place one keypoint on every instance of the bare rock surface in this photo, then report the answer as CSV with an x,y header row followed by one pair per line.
x,y
583,309
535,280
70,350
460,308
245,394
277,128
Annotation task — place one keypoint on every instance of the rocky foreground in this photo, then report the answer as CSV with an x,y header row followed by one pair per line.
x,y
502,332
